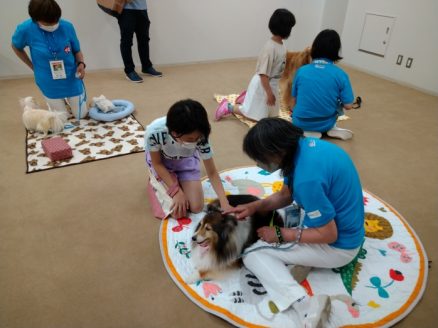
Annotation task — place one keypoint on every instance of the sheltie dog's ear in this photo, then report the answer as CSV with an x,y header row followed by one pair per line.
x,y
214,207
228,225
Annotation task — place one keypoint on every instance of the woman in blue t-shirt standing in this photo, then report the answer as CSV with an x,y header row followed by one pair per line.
x,y
321,90
321,178
56,57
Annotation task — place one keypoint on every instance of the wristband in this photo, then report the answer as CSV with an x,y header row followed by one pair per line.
x,y
278,233
299,233
81,62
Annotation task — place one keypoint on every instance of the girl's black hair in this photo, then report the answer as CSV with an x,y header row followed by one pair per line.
x,y
47,11
327,44
273,137
281,23
187,116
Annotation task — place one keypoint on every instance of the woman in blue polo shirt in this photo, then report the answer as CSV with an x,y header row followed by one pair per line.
x,y
323,181
56,57
321,90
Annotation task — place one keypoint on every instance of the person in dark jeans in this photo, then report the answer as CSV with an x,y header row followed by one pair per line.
x,y
134,19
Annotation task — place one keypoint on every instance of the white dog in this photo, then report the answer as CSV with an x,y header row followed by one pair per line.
x,y
103,104
41,120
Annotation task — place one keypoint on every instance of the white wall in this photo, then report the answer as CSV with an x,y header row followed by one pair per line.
x,y
182,31
334,15
185,31
413,35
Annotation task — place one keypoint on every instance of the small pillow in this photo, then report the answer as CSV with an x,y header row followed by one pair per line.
x,y
103,104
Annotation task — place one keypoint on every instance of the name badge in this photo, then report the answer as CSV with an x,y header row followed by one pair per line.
x,y
58,69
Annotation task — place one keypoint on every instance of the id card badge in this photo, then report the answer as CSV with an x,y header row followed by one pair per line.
x,y
58,69
293,215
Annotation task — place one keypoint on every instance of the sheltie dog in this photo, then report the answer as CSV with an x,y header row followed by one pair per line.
x,y
294,60
41,120
219,239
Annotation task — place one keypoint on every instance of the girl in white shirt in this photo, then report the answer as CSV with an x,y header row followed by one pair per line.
x,y
260,100
174,145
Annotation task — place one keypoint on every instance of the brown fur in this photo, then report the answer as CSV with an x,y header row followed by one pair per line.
x,y
215,243
294,60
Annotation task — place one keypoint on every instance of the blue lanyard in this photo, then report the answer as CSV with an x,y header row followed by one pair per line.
x,y
82,99
49,46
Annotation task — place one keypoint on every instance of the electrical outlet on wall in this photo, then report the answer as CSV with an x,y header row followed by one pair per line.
x,y
409,62
399,60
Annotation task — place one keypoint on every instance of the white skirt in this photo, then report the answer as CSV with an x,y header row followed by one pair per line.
x,y
254,106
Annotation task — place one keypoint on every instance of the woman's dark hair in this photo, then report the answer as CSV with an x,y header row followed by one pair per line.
x,y
47,11
281,23
273,137
327,45
187,116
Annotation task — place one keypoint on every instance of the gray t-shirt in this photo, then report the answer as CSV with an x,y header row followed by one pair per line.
x,y
272,60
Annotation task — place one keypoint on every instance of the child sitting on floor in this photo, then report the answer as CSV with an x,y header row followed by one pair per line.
x,y
321,90
174,146
260,100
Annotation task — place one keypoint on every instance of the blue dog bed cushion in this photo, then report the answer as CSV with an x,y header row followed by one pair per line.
x,y
123,109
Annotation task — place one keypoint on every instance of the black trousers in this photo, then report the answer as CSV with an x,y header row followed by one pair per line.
x,y
130,22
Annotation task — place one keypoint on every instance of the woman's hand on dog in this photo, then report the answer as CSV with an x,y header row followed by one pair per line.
x,y
180,204
267,234
242,211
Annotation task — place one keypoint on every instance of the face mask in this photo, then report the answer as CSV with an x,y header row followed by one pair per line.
x,y
189,145
50,28
271,167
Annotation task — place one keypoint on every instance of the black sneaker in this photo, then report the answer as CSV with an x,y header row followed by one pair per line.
x,y
134,77
152,72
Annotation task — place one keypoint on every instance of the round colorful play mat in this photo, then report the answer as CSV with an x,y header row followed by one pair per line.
x,y
378,289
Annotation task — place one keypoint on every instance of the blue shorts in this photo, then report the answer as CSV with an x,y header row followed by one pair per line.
x,y
186,169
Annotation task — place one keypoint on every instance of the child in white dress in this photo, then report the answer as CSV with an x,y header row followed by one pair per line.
x,y
260,100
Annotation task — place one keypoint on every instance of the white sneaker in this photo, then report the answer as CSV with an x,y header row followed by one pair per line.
x,y
315,313
339,133
313,134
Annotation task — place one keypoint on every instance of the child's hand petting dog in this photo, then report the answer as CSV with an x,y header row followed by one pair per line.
x,y
180,204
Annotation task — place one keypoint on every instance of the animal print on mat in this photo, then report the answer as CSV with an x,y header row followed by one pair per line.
x,y
90,141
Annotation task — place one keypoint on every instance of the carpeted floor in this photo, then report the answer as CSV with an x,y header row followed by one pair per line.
x,y
79,247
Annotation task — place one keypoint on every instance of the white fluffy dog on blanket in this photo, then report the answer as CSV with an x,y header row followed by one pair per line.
x,y
41,120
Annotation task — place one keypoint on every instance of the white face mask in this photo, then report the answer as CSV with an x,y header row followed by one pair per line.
x,y
271,167
184,144
189,145
49,28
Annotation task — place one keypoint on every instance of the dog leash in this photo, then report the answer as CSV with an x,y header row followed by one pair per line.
x,y
82,100
276,247
357,103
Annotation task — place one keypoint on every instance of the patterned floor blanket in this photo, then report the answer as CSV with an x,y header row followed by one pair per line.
x,y
90,141
377,290
283,112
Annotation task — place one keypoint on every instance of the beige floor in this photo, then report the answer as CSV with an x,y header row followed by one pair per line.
x,y
79,248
